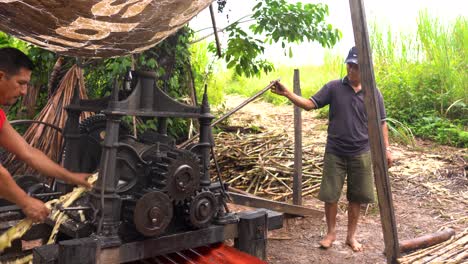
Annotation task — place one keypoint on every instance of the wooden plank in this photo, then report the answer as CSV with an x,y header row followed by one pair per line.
x,y
258,202
297,180
379,160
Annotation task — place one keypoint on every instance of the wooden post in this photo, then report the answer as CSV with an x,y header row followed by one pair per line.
x,y
252,237
297,181
379,160
78,251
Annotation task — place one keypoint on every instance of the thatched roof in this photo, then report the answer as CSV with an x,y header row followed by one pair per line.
x,y
96,28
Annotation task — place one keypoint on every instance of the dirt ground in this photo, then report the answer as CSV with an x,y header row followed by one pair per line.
x,y
429,185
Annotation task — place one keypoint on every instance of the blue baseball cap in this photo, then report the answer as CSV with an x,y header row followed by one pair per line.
x,y
352,56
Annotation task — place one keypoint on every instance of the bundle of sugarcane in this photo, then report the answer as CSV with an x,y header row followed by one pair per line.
x,y
46,139
263,164
454,250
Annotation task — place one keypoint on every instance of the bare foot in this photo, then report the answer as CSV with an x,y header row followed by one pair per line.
x,y
327,241
354,244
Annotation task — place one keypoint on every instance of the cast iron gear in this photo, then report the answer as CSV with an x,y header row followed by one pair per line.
x,y
92,131
201,209
177,174
153,213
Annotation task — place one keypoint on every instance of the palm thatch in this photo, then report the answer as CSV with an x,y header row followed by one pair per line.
x,y
43,138
28,103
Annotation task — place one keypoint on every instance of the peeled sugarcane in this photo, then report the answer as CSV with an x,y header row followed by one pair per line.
x,y
57,215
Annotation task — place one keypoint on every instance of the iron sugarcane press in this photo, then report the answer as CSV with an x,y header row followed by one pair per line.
x,y
150,198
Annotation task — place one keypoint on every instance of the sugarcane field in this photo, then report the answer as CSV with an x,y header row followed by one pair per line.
x,y
224,132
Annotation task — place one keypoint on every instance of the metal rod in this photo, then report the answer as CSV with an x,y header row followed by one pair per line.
x,y
47,194
22,122
255,96
76,208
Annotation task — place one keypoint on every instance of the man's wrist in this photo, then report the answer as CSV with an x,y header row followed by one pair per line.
x,y
23,200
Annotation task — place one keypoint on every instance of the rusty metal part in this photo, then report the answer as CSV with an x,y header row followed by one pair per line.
x,y
153,213
201,209
426,240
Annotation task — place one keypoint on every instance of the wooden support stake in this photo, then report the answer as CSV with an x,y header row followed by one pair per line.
x,y
215,31
379,160
297,180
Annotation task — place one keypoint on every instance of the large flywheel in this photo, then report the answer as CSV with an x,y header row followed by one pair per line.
x,y
153,213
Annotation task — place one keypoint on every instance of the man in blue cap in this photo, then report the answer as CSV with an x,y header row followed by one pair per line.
x,y
347,153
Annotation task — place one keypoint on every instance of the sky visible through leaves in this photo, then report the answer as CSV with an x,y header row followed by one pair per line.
x,y
400,15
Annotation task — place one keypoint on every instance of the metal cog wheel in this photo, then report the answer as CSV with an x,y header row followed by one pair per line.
x,y
177,174
201,209
153,213
92,131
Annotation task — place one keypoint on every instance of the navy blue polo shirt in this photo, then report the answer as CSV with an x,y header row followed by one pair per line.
x,y
347,128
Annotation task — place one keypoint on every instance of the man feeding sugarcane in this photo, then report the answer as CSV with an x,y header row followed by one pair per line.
x,y
347,153
15,74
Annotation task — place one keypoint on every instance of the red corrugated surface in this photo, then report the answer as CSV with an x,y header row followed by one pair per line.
x,y
214,254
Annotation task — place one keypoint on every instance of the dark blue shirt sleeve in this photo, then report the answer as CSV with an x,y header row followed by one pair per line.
x,y
322,97
380,101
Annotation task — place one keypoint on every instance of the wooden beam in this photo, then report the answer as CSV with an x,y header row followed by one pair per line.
x,y
297,180
426,240
379,160
258,202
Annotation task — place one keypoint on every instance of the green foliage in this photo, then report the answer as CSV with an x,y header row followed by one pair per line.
x,y
203,70
400,132
312,78
423,77
442,131
276,21
9,41
243,51
293,23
